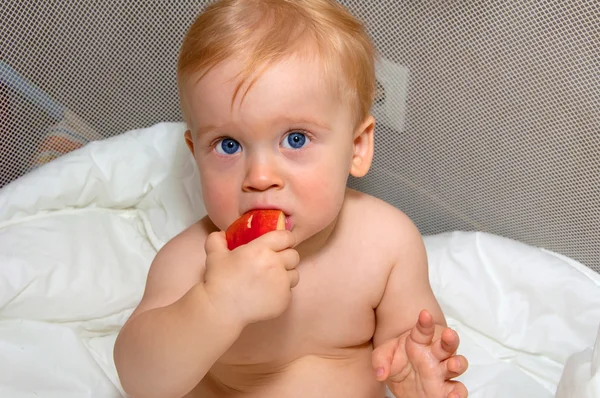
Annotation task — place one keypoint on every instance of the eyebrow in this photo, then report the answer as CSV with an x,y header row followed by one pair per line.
x,y
204,129
291,120
304,120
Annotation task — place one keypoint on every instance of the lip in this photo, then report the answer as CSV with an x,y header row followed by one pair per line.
x,y
289,222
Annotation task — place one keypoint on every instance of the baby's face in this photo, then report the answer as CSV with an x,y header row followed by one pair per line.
x,y
288,145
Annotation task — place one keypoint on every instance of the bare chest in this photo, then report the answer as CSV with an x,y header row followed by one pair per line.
x,y
332,311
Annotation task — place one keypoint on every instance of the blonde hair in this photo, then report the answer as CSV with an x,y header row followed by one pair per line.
x,y
266,31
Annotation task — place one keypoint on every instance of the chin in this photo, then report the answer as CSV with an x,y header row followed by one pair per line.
x,y
306,233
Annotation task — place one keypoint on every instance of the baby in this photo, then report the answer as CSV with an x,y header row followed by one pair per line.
x,y
277,96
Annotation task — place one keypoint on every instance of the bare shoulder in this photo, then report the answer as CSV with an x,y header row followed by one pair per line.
x,y
382,223
177,266
392,234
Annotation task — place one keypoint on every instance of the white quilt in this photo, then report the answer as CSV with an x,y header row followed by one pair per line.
x,y
77,237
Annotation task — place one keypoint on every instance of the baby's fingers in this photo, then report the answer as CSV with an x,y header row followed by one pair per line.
x,y
457,389
447,345
423,331
294,278
382,358
277,240
290,258
215,242
455,366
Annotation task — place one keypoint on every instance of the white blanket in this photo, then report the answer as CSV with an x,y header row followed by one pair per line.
x,y
77,237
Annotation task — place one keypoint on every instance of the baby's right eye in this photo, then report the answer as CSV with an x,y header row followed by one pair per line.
x,y
227,146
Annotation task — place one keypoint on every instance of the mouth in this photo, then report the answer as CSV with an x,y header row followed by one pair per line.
x,y
289,223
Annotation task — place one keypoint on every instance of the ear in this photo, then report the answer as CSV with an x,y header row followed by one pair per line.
x,y
189,141
363,147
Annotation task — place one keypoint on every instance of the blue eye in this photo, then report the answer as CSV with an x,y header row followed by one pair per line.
x,y
227,146
295,140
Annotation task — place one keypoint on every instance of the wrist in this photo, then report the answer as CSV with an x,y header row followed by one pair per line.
x,y
217,309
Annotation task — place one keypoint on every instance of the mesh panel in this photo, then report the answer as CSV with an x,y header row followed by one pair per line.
x,y
487,113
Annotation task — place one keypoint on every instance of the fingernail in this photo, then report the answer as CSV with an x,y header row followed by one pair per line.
x,y
380,372
456,364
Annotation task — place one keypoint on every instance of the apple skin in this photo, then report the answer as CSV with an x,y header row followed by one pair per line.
x,y
253,224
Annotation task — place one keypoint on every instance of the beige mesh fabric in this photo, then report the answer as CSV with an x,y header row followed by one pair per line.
x,y
488,114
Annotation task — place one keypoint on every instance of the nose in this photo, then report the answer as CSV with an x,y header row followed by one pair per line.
x,y
261,175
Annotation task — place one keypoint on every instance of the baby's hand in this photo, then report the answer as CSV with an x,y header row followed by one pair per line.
x,y
254,281
416,365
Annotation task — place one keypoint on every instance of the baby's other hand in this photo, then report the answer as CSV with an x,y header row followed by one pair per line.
x,y
418,365
252,282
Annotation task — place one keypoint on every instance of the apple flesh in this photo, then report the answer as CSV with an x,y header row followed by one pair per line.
x,y
252,225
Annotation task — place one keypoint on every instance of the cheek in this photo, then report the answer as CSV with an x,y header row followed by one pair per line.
x,y
329,169
219,199
322,187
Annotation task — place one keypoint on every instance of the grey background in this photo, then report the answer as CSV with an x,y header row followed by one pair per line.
x,y
500,129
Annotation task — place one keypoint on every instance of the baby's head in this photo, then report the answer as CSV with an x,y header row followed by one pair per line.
x,y
277,97
262,32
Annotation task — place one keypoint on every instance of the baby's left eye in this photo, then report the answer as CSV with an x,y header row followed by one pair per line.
x,y
295,140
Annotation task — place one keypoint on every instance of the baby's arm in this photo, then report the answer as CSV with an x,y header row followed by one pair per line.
x,y
414,350
199,296
408,290
175,335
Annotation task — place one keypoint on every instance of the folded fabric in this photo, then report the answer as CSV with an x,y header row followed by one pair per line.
x,y
581,377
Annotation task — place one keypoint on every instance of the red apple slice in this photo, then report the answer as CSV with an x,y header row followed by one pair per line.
x,y
252,225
